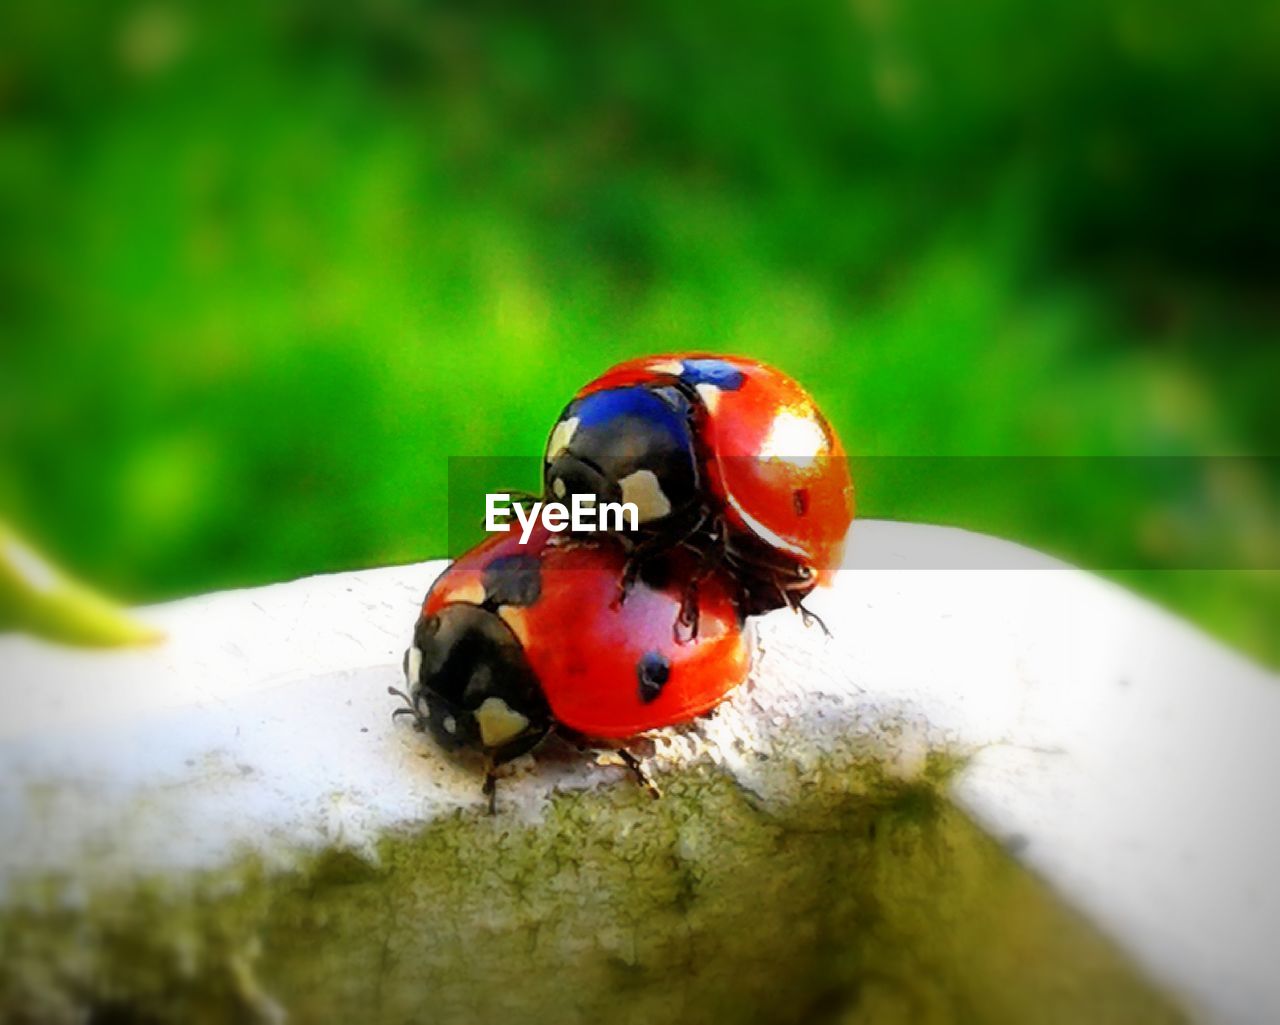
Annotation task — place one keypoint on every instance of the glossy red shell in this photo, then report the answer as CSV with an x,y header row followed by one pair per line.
x,y
772,458
585,647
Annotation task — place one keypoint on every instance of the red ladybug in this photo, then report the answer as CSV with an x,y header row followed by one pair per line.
x,y
518,641
722,452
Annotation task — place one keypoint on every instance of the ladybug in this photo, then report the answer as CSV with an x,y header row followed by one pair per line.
x,y
721,453
517,642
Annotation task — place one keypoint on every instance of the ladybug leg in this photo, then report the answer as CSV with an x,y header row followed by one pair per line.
x,y
630,574
636,767
636,558
809,617
685,629
711,561
490,787
694,527
605,756
499,756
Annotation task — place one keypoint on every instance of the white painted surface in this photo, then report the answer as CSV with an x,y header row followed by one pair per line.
x,y
1128,758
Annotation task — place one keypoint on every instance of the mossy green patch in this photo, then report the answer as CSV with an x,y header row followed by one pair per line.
x,y
878,901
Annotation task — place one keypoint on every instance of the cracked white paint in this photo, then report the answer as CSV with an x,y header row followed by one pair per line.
x,y
1127,758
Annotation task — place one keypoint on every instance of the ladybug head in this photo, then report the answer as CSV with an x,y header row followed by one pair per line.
x,y
471,685
632,444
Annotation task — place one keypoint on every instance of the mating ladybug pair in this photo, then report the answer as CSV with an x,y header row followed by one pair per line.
x,y
743,498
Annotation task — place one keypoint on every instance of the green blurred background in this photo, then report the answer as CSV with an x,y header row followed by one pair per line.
x,y
263,268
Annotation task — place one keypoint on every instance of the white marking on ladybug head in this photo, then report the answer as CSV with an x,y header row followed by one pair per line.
x,y
498,722
413,667
513,616
671,366
558,487
472,592
450,724
710,395
561,435
796,439
642,490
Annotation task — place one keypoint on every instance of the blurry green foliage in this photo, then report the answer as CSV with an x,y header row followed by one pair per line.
x,y
263,268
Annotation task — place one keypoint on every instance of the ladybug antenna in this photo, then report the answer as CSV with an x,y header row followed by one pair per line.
x,y
521,497
518,496
407,709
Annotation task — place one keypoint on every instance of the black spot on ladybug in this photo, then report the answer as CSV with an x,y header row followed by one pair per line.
x,y
513,580
717,372
652,671
800,500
